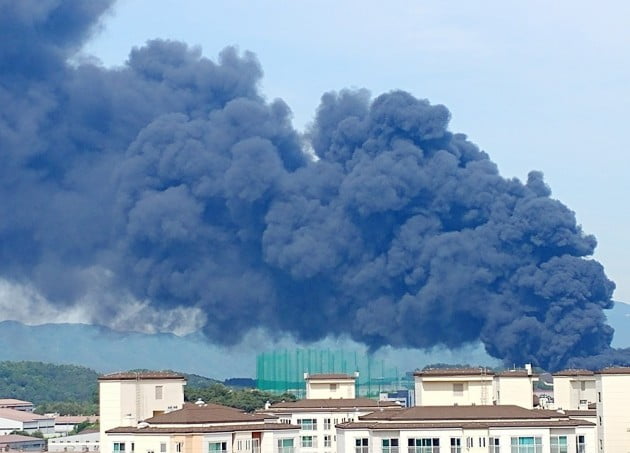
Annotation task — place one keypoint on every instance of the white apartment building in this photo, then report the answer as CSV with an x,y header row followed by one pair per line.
x,y
613,409
128,398
205,428
574,389
14,420
317,418
474,386
467,429
330,400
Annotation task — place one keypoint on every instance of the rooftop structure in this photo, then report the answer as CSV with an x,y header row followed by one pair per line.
x,y
331,385
474,386
574,389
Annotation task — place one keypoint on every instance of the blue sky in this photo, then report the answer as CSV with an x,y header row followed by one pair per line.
x,y
538,85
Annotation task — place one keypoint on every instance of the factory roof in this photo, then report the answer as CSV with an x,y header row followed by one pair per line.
x,y
141,375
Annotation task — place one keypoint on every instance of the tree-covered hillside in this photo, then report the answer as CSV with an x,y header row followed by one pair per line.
x,y
73,390
245,399
44,382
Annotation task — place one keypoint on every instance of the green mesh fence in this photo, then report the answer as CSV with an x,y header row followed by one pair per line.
x,y
283,371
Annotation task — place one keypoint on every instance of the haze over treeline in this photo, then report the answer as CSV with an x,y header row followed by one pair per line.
x,y
173,183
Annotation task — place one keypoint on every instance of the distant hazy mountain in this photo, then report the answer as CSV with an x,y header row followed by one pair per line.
x,y
107,350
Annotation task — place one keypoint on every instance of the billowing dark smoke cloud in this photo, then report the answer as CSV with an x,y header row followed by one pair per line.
x,y
179,182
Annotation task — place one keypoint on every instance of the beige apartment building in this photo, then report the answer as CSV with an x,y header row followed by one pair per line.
x,y
474,386
129,398
336,386
613,409
574,389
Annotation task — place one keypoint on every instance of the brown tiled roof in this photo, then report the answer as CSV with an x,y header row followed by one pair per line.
x,y
207,413
22,416
462,413
466,425
204,429
13,402
573,372
615,370
334,403
455,372
132,375
330,376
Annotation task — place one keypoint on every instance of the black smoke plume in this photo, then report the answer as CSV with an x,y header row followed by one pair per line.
x,y
176,179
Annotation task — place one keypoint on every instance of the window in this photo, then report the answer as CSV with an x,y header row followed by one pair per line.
x,y
456,445
494,445
361,445
217,447
482,441
179,447
239,445
327,441
309,442
526,445
389,446
285,445
133,447
599,397
308,424
423,445
159,390
458,389
559,444
582,385
119,447
326,423
162,447
333,387
581,444
255,445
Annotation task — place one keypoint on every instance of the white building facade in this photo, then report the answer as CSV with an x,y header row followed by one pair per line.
x,y
473,429
613,409
317,418
574,389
